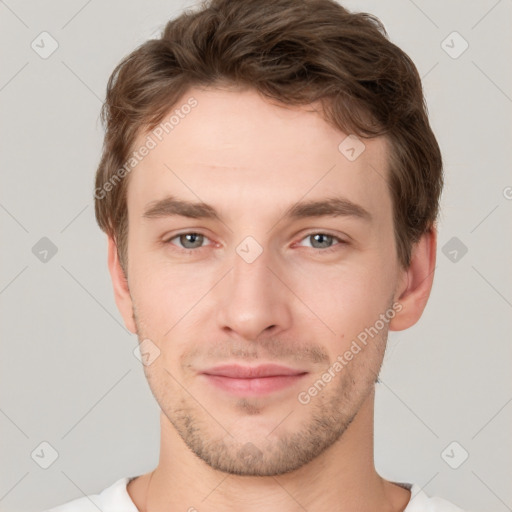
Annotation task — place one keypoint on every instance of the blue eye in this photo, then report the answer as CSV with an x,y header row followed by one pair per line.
x,y
322,239
194,239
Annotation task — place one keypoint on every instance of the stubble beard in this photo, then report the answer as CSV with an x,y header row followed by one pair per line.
x,y
328,415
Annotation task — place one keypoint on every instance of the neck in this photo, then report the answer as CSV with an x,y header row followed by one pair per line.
x,y
342,478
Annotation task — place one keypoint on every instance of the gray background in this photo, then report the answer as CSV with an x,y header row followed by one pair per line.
x,y
69,375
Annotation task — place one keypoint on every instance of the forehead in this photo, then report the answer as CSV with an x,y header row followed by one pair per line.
x,y
237,148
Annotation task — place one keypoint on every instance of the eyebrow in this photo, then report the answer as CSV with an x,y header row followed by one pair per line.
x,y
333,207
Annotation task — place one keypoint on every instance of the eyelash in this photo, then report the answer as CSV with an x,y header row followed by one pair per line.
x,y
323,251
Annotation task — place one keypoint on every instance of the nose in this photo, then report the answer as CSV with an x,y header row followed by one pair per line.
x,y
252,300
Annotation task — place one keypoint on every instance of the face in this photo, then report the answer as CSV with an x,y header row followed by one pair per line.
x,y
293,264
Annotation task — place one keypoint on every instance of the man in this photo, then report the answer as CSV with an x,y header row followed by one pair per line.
x,y
269,186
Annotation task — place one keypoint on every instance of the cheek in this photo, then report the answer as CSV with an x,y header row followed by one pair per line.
x,y
347,299
165,295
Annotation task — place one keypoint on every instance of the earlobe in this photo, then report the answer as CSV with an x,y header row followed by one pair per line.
x,y
120,285
416,282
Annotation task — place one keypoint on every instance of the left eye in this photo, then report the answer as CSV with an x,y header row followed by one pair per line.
x,y
322,240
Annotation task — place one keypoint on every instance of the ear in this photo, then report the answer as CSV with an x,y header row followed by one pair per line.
x,y
416,282
120,284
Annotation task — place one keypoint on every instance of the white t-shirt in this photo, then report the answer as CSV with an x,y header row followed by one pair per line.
x,y
116,499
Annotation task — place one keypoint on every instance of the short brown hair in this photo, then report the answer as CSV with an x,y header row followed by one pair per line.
x,y
293,51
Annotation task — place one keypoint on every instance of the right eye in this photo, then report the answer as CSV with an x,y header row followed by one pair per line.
x,y
188,242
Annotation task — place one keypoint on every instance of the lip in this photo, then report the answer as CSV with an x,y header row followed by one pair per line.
x,y
252,380
236,371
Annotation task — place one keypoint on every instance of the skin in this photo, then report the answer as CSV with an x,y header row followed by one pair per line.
x,y
294,305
